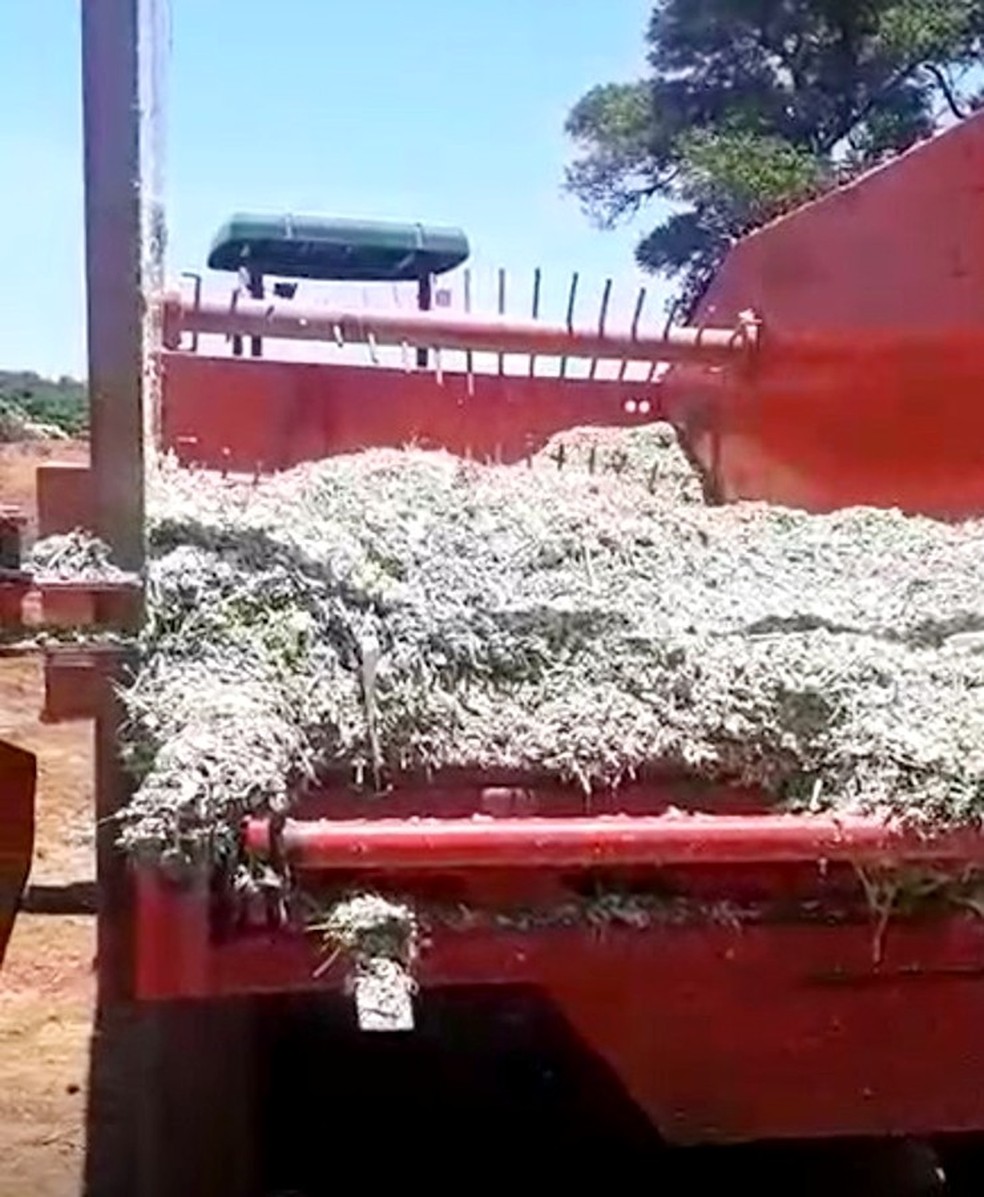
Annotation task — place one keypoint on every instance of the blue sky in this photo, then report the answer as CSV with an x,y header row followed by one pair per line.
x,y
437,110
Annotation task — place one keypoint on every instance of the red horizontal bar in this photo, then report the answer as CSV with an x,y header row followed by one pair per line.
x,y
296,322
511,843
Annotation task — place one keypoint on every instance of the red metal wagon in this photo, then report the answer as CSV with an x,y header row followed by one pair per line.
x,y
761,991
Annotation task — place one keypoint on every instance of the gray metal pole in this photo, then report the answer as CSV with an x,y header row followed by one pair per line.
x,y
116,116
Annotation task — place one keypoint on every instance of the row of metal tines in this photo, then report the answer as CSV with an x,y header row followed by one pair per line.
x,y
422,358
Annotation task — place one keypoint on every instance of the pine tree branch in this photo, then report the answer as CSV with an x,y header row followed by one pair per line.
x,y
946,87
853,119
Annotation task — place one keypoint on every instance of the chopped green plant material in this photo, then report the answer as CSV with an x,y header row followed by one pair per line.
x,y
73,556
368,927
583,615
377,939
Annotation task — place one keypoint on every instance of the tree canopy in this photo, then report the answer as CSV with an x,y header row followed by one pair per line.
x,y
752,104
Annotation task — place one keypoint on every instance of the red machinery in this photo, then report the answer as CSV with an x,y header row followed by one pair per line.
x,y
857,381
838,359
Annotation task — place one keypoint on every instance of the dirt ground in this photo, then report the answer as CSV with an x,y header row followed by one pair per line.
x,y
46,985
45,1022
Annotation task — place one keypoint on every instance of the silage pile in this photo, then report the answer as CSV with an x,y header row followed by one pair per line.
x,y
583,615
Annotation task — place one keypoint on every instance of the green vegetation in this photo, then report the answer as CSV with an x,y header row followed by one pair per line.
x,y
62,403
752,105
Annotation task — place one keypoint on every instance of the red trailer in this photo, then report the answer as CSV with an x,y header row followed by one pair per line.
x,y
768,991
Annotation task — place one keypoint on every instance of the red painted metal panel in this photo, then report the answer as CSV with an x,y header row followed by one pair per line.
x,y
65,498
245,414
14,588
898,426
75,682
772,1031
463,794
718,1032
902,248
713,1024
18,771
78,604
899,252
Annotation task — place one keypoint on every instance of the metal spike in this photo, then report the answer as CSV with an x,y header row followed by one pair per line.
x,y
196,301
469,356
602,319
571,300
636,317
536,308
671,316
235,338
502,310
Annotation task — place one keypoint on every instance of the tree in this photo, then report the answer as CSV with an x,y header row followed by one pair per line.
x,y
753,104
27,396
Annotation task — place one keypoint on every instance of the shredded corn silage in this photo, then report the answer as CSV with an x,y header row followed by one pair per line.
x,y
584,615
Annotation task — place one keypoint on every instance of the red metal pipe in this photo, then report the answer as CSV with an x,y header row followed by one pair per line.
x,y
508,843
437,329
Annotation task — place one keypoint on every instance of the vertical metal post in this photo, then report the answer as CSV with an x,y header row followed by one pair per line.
x,y
158,1087
636,317
124,235
425,297
469,356
114,40
502,311
113,98
602,321
571,304
537,277
196,278
256,291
